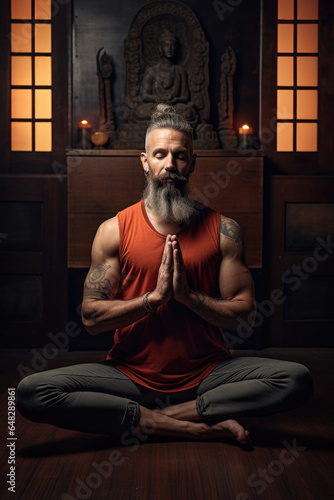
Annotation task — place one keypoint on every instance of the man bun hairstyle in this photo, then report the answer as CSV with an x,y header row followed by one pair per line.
x,y
165,116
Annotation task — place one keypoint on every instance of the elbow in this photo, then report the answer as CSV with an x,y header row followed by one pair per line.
x,y
246,319
89,320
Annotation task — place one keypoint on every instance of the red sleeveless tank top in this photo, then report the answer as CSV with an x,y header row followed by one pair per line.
x,y
171,349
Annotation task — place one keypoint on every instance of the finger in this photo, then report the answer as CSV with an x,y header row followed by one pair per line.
x,y
167,256
178,253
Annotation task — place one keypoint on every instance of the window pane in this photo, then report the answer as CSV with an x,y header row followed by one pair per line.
x,y
285,71
285,9
43,74
43,136
21,9
21,136
307,71
20,37
307,9
21,70
284,137
307,104
43,37
285,38
43,104
43,9
307,137
307,38
285,104
21,103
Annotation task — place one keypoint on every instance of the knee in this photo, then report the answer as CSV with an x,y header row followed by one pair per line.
x,y
301,382
28,402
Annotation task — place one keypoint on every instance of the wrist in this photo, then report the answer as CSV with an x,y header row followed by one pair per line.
x,y
148,304
193,299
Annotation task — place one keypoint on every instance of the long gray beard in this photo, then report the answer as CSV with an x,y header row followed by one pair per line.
x,y
170,202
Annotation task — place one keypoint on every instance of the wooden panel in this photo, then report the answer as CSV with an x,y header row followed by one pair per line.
x,y
104,184
48,264
289,270
100,186
229,184
81,232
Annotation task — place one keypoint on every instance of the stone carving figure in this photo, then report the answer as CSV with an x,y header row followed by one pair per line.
x,y
105,73
166,82
226,105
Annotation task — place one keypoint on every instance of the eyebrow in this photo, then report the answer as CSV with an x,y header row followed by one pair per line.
x,y
164,150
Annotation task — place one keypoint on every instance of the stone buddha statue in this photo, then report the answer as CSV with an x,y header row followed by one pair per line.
x,y
166,82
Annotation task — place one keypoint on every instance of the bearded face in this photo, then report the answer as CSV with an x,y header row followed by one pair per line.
x,y
168,196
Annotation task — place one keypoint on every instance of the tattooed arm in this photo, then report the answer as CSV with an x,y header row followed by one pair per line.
x,y
101,311
235,282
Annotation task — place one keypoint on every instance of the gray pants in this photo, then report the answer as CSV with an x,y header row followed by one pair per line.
x,y
98,398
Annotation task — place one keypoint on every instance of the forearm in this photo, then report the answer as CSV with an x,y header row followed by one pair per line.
x,y
104,315
218,312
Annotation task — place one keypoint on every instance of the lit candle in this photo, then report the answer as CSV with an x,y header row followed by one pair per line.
x,y
245,130
245,133
84,129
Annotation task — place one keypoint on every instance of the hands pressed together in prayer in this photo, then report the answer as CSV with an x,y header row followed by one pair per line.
x,y
172,280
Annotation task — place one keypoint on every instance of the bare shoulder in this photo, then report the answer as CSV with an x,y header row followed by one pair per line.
x,y
230,229
231,237
106,241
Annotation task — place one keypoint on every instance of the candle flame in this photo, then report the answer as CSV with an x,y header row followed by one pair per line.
x,y
84,122
245,127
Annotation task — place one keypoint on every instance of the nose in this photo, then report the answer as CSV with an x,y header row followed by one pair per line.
x,y
170,163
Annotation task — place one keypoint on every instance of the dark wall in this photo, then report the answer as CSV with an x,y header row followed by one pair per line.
x,y
106,23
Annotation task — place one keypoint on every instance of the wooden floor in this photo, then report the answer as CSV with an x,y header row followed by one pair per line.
x,y
291,456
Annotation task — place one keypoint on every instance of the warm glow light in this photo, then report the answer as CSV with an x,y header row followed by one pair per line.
x,y
21,103
84,122
43,135
21,9
43,38
42,9
285,71
43,103
43,70
285,38
21,70
21,136
20,37
307,137
307,38
29,71
284,136
285,9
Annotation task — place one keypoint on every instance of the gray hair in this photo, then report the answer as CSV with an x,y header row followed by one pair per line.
x,y
165,116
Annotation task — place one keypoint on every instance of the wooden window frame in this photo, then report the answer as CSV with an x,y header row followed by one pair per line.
x,y
299,162
14,162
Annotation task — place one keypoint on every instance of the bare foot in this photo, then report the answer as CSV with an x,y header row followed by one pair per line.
x,y
153,422
226,428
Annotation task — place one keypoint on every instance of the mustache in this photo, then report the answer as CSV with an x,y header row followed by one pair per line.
x,y
172,176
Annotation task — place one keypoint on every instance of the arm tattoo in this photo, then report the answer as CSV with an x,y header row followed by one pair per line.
x,y
231,229
97,285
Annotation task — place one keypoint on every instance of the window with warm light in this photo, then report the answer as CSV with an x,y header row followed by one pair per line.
x,y
31,75
297,75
